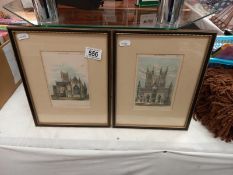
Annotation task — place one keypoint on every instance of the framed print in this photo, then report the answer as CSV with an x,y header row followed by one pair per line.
x,y
157,75
65,74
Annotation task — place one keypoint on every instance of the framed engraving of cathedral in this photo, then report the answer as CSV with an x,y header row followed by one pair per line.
x,y
65,74
157,75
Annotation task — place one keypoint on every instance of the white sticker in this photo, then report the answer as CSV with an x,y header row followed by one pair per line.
x,y
22,36
124,43
93,53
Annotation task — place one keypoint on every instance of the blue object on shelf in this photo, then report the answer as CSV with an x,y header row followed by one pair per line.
x,y
221,61
221,40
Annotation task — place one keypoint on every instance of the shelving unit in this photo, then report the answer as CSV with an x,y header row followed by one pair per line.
x,y
119,14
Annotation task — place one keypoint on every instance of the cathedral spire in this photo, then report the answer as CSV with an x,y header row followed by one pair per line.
x,y
166,70
153,70
171,85
139,83
138,88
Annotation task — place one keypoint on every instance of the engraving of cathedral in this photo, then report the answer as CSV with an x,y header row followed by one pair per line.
x,y
70,88
155,91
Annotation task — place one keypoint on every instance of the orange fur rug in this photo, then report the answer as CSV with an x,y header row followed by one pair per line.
x,y
214,108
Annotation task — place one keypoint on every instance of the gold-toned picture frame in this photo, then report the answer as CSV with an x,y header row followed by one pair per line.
x,y
64,86
157,76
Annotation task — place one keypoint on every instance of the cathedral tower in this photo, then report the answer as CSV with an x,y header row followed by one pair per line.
x,y
150,76
162,77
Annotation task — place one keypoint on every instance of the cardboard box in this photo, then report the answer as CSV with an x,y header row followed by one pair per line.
x,y
9,74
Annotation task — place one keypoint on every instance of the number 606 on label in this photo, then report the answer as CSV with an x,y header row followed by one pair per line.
x,y
93,53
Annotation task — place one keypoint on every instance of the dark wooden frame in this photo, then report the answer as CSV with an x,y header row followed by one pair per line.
x,y
160,32
13,29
